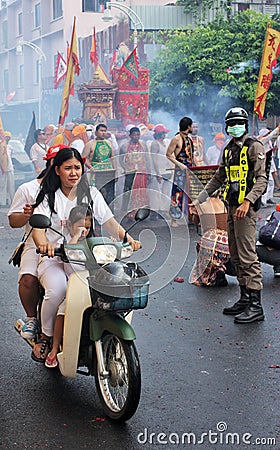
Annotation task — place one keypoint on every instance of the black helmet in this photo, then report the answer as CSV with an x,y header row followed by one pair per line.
x,y
112,281
236,114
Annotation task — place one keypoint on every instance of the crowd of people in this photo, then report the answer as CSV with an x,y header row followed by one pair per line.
x,y
145,167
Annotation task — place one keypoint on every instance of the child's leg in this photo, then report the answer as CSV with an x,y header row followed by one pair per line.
x,y
57,335
51,360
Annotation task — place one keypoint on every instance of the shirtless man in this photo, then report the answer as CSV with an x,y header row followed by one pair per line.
x,y
198,144
181,152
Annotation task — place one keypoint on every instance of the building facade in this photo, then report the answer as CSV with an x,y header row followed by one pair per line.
x,y
33,31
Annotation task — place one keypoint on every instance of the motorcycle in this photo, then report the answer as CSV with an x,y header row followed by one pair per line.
x,y
98,339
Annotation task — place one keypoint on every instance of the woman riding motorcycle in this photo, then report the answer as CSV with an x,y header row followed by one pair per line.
x,y
63,188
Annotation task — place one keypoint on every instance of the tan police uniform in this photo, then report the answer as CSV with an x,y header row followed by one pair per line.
x,y
242,233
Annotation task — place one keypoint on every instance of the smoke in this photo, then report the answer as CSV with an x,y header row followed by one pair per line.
x,y
206,105
164,117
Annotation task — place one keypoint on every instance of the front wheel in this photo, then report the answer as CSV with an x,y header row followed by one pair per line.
x,y
119,391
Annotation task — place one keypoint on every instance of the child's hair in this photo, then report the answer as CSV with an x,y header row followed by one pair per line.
x,y
82,212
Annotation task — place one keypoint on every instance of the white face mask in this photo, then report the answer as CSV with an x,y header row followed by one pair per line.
x,y
236,131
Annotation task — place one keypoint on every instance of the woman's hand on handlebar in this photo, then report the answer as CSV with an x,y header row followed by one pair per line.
x,y
134,244
47,248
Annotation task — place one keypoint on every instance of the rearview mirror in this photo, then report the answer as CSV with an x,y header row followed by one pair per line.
x,y
142,213
39,221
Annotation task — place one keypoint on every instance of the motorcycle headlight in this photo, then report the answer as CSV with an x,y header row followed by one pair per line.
x,y
75,255
104,253
126,252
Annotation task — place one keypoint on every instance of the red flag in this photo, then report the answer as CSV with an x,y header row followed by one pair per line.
x,y
73,68
10,96
113,61
131,65
60,70
93,51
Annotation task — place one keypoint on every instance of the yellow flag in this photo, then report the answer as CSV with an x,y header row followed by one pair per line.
x,y
73,68
3,149
271,52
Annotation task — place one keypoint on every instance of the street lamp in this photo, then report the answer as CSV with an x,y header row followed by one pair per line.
x,y
42,56
135,19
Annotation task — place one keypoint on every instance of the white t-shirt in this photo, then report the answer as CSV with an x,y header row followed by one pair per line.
x,y
78,144
37,153
26,193
213,154
63,206
278,147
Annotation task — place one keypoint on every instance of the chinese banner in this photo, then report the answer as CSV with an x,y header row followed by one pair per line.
x,y
271,52
73,68
60,70
93,51
132,97
131,65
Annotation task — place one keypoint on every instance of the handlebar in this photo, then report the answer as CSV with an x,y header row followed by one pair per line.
x,y
88,256
57,252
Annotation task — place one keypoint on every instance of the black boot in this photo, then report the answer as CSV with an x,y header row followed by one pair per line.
x,y
253,311
240,305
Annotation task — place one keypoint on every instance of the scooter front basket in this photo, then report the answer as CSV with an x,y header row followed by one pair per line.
x,y
110,293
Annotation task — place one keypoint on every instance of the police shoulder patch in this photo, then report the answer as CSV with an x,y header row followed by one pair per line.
x,y
261,155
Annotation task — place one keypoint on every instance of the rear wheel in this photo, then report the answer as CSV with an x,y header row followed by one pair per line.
x,y
119,391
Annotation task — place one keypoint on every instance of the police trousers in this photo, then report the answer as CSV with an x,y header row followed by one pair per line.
x,y
242,248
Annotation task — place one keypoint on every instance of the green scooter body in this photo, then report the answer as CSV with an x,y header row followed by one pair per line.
x,y
112,323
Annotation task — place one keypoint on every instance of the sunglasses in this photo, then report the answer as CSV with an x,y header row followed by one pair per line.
x,y
42,134
231,123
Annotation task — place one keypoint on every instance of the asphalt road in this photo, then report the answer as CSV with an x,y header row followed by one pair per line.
x,y
206,382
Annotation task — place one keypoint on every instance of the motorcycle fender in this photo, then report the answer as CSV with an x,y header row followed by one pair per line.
x,y
77,301
112,323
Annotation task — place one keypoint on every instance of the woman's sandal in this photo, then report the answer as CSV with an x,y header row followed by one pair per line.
x,y
51,363
45,345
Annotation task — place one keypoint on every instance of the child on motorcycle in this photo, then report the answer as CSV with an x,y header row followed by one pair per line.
x,y
62,188
80,226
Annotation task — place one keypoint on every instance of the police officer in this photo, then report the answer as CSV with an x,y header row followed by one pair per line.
x,y
242,171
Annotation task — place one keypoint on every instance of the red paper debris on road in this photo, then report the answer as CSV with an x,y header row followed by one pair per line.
x,y
179,279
